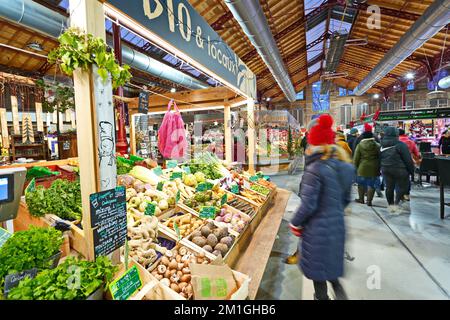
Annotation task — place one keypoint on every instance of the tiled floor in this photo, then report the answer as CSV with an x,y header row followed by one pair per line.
x,y
408,253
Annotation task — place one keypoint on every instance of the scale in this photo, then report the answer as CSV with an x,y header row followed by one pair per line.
x,y
11,187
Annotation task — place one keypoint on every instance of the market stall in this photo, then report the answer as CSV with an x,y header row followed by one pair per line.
x,y
147,231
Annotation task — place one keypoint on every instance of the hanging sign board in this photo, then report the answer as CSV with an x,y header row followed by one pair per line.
x,y
143,102
109,218
39,121
4,125
414,114
27,129
15,115
177,23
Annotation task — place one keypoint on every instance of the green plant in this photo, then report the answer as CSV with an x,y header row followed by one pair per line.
x,y
56,97
29,249
63,199
74,279
79,50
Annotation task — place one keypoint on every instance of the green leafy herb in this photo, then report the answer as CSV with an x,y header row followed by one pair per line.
x,y
29,249
63,199
72,280
79,50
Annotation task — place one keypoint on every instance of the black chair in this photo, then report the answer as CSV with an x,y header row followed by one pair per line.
x,y
425,147
444,175
428,167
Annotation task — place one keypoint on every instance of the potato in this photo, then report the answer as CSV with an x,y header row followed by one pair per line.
x,y
185,278
175,287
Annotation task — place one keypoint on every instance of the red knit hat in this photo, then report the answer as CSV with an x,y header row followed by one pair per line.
x,y
367,127
321,132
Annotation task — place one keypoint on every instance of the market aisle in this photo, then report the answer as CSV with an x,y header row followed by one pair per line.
x,y
410,252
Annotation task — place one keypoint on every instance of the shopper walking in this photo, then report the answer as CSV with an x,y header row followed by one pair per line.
x,y
444,142
396,166
351,137
367,162
341,142
367,128
415,154
325,192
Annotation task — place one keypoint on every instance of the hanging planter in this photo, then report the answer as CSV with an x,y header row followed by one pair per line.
x,y
80,50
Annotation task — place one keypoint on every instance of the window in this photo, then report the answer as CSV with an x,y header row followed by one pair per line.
x,y
388,106
438,103
411,85
349,92
300,95
346,114
409,105
362,108
321,102
342,92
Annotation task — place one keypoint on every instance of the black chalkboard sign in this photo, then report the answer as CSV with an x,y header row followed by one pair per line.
x,y
109,218
12,280
143,102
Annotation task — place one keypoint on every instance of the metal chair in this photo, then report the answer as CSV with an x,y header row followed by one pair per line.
x,y
428,167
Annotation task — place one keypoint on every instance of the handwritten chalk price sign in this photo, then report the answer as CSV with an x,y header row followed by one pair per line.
x,y
109,220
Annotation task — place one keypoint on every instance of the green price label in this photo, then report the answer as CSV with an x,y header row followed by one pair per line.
x,y
224,199
235,189
4,235
178,196
158,171
160,186
31,186
254,178
126,285
177,230
187,169
208,212
204,186
267,178
150,209
176,175
170,164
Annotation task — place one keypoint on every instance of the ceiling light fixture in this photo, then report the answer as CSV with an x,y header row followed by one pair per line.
x,y
35,46
376,96
268,99
173,90
409,76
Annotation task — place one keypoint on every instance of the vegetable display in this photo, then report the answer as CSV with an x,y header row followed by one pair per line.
x,y
72,280
214,239
209,198
29,249
173,270
234,220
63,199
209,165
242,205
186,223
260,189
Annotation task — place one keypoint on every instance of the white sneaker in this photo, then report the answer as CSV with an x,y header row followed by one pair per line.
x,y
393,209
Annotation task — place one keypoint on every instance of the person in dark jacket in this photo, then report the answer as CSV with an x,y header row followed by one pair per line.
x,y
325,192
351,137
397,165
304,142
367,162
444,142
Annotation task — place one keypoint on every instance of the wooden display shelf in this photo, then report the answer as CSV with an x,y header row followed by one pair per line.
x,y
42,163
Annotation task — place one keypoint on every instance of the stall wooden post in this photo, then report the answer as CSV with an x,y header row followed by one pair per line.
x,y
251,135
87,15
227,133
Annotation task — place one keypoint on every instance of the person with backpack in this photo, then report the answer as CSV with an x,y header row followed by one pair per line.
x,y
397,166
351,137
325,192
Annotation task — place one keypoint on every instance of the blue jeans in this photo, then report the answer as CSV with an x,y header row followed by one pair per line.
x,y
367,182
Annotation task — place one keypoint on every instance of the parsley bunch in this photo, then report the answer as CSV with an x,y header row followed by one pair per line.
x,y
63,199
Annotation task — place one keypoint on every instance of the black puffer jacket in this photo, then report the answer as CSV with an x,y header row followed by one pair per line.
x,y
394,153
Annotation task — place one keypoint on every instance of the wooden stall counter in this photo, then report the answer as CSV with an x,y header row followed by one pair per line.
x,y
253,260
42,163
